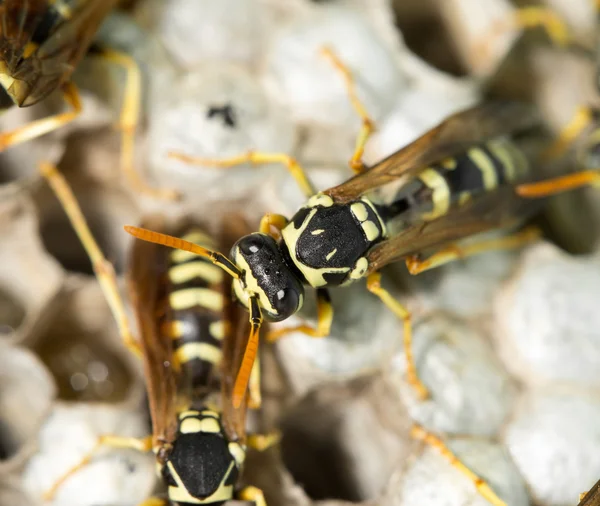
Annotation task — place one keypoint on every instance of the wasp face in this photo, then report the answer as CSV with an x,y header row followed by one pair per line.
x,y
266,275
202,466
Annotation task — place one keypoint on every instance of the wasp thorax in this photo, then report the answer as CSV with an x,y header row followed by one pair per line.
x,y
267,276
202,464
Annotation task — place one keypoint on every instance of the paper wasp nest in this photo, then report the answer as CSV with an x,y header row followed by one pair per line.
x,y
508,343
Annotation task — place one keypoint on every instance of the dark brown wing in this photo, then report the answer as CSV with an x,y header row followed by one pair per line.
x,y
144,276
592,498
235,339
53,62
454,135
18,22
234,344
497,209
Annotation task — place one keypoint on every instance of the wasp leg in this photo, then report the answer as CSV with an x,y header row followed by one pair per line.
x,y
140,444
255,157
374,286
559,184
254,495
128,122
578,123
154,501
527,18
481,485
254,395
455,251
324,319
243,378
45,125
269,220
262,442
103,269
368,125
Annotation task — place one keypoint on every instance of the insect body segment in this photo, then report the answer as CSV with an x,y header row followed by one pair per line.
x,y
327,242
451,183
192,313
201,466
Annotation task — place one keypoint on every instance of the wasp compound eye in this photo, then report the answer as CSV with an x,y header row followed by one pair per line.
x,y
268,276
251,244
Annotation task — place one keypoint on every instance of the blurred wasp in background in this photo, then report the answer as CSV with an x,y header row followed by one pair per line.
x,y
41,44
192,336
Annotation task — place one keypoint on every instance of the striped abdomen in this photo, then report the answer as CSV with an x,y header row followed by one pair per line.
x,y
453,181
192,314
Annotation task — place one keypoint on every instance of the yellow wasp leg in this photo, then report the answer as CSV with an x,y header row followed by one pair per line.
x,y
481,485
140,444
527,18
262,442
374,286
454,251
128,122
559,184
103,268
368,125
578,123
324,319
269,220
254,495
154,501
43,126
255,157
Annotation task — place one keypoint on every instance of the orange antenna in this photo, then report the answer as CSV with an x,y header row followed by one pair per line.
x,y
243,377
215,257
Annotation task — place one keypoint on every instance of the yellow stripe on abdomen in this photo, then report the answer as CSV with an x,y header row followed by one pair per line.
x,y
200,351
486,166
201,269
440,193
187,298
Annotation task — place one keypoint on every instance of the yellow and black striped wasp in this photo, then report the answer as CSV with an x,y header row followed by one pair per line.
x,y
455,181
41,44
192,337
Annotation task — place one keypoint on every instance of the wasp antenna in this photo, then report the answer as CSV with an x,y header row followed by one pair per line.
x,y
176,243
243,377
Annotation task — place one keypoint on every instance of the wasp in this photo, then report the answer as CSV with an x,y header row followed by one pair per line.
x,y
41,44
455,181
191,337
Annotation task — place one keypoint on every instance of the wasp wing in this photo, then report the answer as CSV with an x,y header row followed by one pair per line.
x,y
146,270
19,21
53,62
454,135
591,498
500,208
235,339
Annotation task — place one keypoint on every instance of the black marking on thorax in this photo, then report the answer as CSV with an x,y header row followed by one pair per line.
x,y
333,237
201,459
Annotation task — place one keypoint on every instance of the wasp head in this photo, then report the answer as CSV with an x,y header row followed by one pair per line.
x,y
266,275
